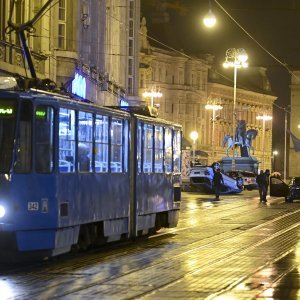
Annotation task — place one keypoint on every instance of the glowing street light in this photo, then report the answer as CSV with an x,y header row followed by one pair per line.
x,y
194,137
264,118
235,58
152,94
214,108
209,19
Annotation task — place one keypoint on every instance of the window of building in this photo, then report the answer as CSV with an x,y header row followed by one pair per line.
x,y
85,141
130,47
131,24
66,140
181,79
62,24
130,66
3,20
101,143
131,9
19,15
130,86
44,137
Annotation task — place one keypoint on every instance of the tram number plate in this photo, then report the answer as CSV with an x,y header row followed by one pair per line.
x,y
33,206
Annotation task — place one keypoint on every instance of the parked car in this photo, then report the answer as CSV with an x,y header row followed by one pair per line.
x,y
249,178
290,191
201,178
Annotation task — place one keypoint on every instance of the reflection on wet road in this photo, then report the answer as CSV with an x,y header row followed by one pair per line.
x,y
235,248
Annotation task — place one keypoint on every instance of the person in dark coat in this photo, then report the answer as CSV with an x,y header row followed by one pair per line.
x,y
265,185
260,182
217,182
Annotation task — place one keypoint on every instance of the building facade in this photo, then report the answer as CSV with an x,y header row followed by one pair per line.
x,y
189,83
94,41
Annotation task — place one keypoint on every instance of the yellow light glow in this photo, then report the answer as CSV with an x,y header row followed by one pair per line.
x,y
213,106
194,135
266,118
210,19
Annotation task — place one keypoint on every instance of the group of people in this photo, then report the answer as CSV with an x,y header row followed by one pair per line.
x,y
262,180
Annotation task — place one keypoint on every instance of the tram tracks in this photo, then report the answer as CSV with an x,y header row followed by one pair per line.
x,y
177,259
65,278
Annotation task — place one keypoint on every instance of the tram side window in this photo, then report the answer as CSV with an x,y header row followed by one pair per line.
x,y
7,130
168,150
139,147
66,140
148,149
44,117
126,145
24,136
158,149
116,158
177,151
101,143
85,141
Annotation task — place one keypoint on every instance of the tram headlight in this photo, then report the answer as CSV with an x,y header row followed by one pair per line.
x,y
2,211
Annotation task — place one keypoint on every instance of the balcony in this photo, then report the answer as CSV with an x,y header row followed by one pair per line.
x,y
12,61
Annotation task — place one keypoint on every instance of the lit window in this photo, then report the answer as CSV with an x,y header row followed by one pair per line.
x,y
101,143
85,141
66,140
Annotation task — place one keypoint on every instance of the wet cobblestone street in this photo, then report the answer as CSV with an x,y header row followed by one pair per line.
x,y
235,248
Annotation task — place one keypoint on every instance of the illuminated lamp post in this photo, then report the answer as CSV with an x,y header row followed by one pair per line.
x,y
194,137
209,19
264,118
152,94
235,58
214,108
275,153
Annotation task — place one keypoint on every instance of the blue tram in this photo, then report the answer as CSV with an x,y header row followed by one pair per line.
x,y
73,174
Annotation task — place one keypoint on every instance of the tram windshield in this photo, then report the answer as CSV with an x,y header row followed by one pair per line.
x,y
7,129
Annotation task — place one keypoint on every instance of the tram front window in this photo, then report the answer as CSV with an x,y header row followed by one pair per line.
x,y
7,129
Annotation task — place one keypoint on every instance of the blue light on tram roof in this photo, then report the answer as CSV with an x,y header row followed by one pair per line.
x,y
79,86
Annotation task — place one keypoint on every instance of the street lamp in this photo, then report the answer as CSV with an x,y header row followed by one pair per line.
x,y
194,137
209,19
214,108
235,58
264,118
154,93
275,153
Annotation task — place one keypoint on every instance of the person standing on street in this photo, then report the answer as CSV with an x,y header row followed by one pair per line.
x,y
259,180
265,185
217,182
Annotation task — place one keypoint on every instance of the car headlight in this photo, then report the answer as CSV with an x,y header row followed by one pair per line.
x,y
2,211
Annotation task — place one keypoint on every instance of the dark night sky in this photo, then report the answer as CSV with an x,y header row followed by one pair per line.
x,y
273,23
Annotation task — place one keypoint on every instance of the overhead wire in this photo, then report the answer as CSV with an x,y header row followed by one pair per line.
x,y
285,65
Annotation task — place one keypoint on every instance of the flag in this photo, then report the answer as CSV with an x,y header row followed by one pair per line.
x,y
295,140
